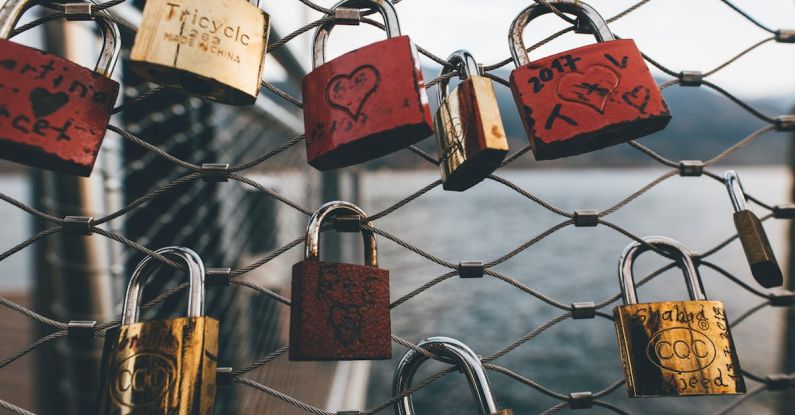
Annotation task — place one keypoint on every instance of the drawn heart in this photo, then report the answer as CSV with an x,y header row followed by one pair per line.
x,y
45,102
349,93
638,98
591,87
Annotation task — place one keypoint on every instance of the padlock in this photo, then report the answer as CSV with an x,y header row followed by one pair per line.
x,y
586,98
758,251
339,311
449,351
366,103
211,49
681,348
469,131
53,112
163,367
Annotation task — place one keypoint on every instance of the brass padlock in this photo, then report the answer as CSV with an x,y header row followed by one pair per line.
x,y
761,258
455,353
681,348
469,131
164,367
212,49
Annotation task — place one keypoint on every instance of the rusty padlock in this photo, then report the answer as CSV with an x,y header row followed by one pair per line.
x,y
455,353
469,131
586,98
163,367
211,49
366,103
681,348
339,311
54,112
753,238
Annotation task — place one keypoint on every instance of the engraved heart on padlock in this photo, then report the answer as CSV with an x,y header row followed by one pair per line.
x,y
591,87
638,98
44,102
349,93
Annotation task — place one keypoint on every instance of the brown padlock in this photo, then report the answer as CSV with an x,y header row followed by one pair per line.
x,y
469,131
681,348
758,251
339,311
163,367
449,351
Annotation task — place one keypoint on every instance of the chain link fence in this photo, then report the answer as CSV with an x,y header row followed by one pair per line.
x,y
230,218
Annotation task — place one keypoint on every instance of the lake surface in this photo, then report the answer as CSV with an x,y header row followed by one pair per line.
x,y
572,265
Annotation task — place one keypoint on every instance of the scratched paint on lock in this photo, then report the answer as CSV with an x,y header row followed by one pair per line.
x,y
53,112
365,104
214,48
677,348
588,98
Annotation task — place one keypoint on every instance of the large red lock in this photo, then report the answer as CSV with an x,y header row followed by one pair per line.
x,y
339,311
586,98
53,112
367,103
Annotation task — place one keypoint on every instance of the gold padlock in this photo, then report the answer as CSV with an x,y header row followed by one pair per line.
x,y
449,351
681,348
469,132
164,367
212,49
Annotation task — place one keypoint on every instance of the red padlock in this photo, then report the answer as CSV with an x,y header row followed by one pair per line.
x,y
339,311
53,112
586,98
367,103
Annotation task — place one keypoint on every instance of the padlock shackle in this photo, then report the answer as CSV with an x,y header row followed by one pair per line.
x,y
195,267
467,67
12,10
312,247
684,259
384,7
736,191
449,351
575,7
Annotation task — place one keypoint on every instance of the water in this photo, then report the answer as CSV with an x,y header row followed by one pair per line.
x,y
571,265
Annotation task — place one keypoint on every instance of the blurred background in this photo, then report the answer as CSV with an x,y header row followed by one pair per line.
x,y
68,277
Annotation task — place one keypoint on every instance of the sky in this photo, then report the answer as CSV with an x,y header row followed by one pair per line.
x,y
680,34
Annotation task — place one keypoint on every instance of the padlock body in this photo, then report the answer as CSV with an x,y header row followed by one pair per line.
x,y
469,134
339,312
212,49
677,349
365,104
53,112
588,98
160,368
758,251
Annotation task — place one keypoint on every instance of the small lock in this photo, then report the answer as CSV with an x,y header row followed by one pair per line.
x,y
586,98
681,348
470,135
753,237
339,311
449,351
161,367
366,103
54,112
211,49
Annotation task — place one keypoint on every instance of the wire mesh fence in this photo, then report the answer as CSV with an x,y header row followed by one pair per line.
x,y
172,193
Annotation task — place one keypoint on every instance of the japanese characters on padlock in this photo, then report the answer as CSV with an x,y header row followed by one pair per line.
x,y
339,311
212,49
453,352
675,348
470,136
368,102
53,112
161,367
586,98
